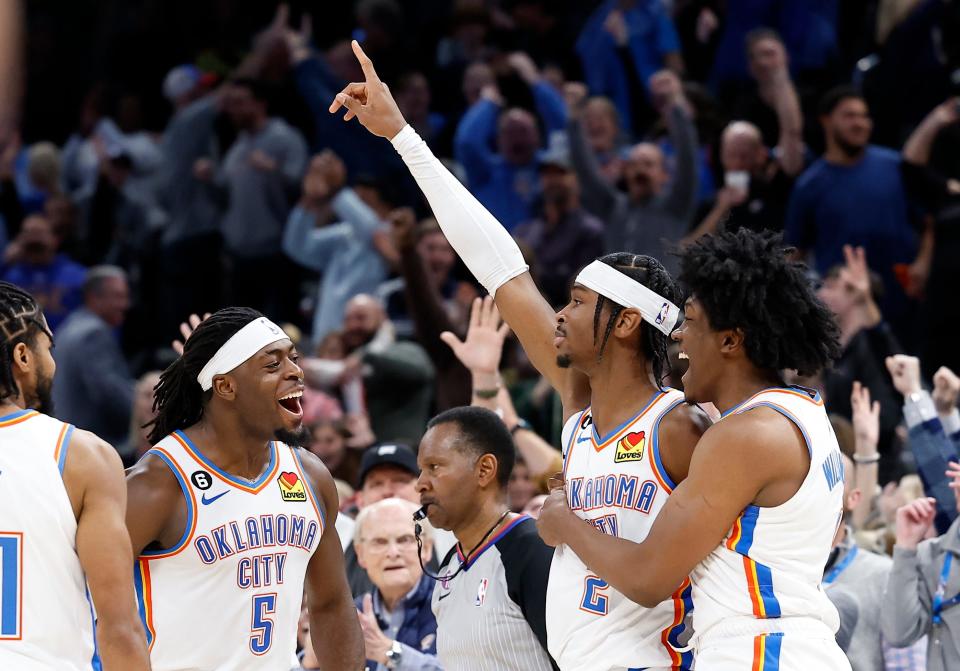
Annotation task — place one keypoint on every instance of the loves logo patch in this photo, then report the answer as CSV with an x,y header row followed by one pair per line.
x,y
291,487
631,447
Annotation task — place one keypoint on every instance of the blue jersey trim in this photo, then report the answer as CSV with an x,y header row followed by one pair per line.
x,y
188,500
229,476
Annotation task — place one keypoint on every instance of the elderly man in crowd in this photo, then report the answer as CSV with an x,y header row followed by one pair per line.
x,y
399,629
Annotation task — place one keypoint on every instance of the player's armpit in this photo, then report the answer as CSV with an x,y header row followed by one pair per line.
x,y
524,308
153,498
94,474
334,627
679,432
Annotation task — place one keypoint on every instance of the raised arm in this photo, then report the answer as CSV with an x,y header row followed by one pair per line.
x,y
93,476
484,245
334,627
916,150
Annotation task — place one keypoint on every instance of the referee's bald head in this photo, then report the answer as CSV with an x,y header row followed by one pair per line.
x,y
480,431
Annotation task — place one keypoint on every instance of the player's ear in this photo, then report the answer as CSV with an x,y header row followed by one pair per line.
x,y
731,340
225,386
628,321
21,357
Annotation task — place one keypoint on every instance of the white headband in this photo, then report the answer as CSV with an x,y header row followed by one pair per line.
x,y
241,346
611,283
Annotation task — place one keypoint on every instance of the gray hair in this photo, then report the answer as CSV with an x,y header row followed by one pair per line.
x,y
393,502
97,275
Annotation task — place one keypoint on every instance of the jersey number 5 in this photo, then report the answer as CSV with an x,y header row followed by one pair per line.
x,y
261,637
11,584
594,600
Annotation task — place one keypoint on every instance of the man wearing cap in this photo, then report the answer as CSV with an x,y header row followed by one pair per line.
x,y
563,236
386,470
228,520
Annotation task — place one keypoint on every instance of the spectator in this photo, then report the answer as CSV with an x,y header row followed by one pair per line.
x,y
864,574
397,375
94,389
333,232
259,177
656,210
853,195
386,470
867,341
412,93
33,262
141,414
920,598
933,425
601,129
431,302
642,29
505,180
340,444
935,184
773,106
563,237
399,629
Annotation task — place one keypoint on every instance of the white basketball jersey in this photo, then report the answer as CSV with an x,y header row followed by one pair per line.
x,y
618,483
46,620
228,594
770,565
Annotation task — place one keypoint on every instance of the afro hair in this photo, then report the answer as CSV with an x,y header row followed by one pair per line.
x,y
745,281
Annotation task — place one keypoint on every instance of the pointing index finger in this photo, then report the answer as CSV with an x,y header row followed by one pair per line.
x,y
365,63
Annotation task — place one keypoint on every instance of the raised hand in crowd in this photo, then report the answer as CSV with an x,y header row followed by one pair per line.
x,y
905,372
914,521
666,91
946,389
616,25
953,472
481,349
187,328
523,65
866,431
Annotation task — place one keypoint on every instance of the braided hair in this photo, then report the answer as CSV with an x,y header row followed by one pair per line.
x,y
744,280
178,398
21,319
650,273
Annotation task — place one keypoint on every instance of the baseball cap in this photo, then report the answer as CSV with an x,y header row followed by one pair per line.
x,y
180,80
387,454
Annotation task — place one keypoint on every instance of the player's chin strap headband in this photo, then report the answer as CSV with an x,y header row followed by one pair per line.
x,y
241,346
611,283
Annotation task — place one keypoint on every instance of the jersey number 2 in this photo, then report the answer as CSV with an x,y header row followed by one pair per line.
x,y
261,636
11,597
594,600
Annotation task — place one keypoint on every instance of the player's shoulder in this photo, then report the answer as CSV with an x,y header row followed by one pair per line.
x,y
89,451
757,430
152,477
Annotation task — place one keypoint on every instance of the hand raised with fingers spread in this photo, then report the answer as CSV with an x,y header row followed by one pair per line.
x,y
370,101
186,329
866,420
480,351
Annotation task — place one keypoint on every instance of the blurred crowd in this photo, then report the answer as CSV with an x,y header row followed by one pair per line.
x,y
180,157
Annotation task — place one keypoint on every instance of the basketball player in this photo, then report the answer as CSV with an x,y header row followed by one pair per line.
x,y
754,521
62,501
228,519
627,440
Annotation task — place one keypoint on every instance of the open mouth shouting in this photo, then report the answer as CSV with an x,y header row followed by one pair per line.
x,y
291,404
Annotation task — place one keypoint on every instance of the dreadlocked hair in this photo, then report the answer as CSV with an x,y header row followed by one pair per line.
x,y
178,398
21,319
745,281
650,273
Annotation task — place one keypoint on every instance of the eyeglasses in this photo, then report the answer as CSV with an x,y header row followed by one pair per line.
x,y
380,544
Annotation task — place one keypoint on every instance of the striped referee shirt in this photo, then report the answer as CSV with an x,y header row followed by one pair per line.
x,y
490,617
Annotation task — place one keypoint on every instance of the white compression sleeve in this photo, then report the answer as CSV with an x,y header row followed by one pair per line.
x,y
481,241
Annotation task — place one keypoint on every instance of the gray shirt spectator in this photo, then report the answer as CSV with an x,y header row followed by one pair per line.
x,y
259,190
655,213
94,389
920,571
863,574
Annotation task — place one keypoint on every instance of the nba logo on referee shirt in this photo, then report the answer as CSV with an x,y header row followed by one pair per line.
x,y
482,592
291,487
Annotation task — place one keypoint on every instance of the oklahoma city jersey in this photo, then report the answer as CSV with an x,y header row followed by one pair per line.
x,y
228,594
766,574
46,621
619,484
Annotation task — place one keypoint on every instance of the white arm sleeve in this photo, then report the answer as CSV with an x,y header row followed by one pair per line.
x,y
480,240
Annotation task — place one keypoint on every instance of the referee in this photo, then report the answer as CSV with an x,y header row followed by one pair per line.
x,y
491,593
